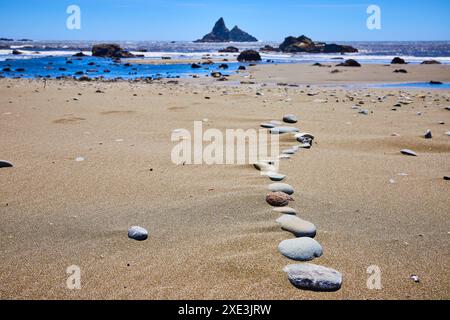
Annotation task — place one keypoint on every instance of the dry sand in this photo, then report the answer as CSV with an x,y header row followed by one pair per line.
x,y
211,234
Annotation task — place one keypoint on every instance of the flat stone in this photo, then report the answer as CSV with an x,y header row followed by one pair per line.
x,y
285,210
308,276
297,226
300,249
274,176
283,130
264,166
289,151
364,112
268,125
282,187
137,233
408,152
305,145
278,199
290,118
5,164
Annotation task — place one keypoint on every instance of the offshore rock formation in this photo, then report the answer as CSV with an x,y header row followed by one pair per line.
x,y
220,33
110,50
305,44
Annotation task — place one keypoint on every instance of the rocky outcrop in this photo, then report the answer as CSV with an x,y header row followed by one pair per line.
x,y
229,50
110,50
268,48
430,62
220,33
249,55
305,44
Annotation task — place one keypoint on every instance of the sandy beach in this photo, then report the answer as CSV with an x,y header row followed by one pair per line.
x,y
211,233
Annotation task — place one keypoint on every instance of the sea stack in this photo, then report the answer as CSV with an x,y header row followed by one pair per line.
x,y
220,33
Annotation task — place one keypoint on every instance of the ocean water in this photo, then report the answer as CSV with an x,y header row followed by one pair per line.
x,y
48,58
413,85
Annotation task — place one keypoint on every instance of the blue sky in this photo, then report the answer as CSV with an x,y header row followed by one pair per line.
x,y
191,19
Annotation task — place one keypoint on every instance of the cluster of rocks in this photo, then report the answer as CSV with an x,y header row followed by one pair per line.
x,y
303,247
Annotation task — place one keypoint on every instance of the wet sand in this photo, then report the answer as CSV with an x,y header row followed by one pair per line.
x,y
211,233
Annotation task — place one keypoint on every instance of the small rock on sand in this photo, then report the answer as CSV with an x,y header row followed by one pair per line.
x,y
428,134
285,210
300,249
278,199
137,233
282,130
264,166
313,277
268,125
5,164
290,118
274,176
297,226
281,187
408,152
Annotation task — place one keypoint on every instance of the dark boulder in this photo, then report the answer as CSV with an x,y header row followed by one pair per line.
x,y
242,68
223,66
195,66
398,60
435,82
229,50
84,78
110,50
400,71
249,55
79,55
349,63
17,52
